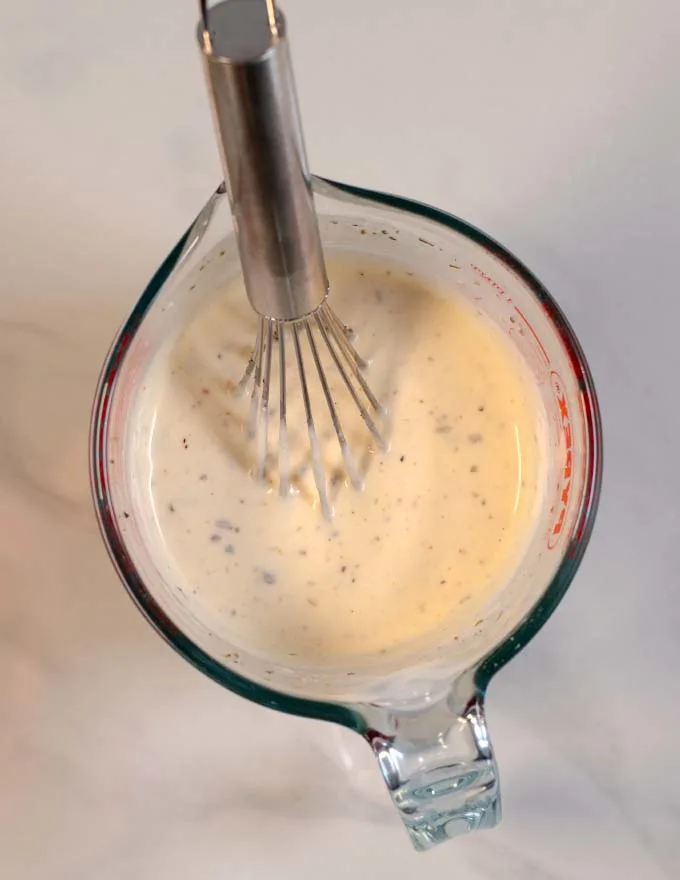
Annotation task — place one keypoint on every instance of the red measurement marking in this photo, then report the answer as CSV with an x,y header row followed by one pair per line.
x,y
563,415
500,291
535,335
503,295
566,475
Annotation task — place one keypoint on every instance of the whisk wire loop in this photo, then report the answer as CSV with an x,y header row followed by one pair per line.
x,y
324,328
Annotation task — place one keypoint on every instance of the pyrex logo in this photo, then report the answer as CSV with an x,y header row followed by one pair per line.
x,y
564,485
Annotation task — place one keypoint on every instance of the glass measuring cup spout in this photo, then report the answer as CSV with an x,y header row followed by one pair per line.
x,y
420,710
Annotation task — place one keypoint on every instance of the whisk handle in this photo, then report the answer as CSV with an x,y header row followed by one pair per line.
x,y
248,69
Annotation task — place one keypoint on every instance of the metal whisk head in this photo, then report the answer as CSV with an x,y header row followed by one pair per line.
x,y
320,337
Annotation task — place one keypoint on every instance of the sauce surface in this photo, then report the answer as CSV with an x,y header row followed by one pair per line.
x,y
418,554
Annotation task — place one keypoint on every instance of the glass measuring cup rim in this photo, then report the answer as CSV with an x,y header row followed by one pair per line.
x,y
515,640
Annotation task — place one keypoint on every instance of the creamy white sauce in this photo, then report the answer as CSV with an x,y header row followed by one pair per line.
x,y
417,555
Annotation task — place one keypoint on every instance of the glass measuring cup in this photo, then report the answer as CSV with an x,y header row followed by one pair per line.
x,y
422,712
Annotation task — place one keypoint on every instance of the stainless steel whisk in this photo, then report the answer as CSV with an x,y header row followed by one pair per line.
x,y
250,81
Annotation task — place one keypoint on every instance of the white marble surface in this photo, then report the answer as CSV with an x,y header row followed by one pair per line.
x,y
554,126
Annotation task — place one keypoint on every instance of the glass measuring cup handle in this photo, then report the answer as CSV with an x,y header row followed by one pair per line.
x,y
438,765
